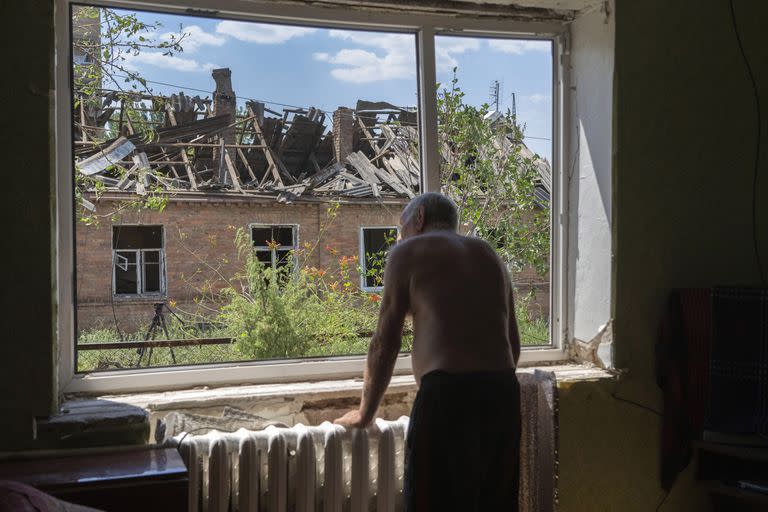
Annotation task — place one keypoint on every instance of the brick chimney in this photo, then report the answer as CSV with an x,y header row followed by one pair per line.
x,y
224,103
343,132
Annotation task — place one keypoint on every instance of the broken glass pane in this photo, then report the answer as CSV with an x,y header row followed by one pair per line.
x,y
376,241
137,237
151,282
126,277
261,236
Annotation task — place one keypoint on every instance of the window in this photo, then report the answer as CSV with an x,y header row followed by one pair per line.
x,y
374,244
138,256
342,131
495,127
275,245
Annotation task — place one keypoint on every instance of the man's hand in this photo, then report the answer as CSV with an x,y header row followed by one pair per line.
x,y
352,419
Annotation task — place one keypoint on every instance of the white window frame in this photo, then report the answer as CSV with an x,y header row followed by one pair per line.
x,y
140,277
424,26
264,248
361,243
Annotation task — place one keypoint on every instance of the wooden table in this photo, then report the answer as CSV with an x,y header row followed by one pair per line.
x,y
134,480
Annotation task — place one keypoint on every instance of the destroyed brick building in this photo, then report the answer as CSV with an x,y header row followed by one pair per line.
x,y
215,169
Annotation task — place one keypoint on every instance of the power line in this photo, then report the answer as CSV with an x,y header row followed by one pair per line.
x,y
276,102
212,92
758,144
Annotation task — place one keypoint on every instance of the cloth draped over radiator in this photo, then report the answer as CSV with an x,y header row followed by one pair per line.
x,y
538,443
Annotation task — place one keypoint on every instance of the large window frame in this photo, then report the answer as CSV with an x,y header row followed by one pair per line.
x,y
140,258
424,26
363,259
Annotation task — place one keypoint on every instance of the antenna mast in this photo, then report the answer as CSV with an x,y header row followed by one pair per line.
x,y
495,93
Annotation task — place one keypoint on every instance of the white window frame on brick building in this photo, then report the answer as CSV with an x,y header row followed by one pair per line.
x,y
119,262
364,285
274,261
424,27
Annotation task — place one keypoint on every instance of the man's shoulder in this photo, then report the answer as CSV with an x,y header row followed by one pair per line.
x,y
440,241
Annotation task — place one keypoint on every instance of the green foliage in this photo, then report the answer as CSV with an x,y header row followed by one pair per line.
x,y
493,185
375,261
105,39
293,310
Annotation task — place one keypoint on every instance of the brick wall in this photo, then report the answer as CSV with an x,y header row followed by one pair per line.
x,y
199,248
343,133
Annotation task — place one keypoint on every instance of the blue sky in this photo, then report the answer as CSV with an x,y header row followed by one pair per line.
x,y
329,68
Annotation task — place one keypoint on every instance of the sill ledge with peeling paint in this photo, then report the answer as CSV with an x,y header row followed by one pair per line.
x,y
125,419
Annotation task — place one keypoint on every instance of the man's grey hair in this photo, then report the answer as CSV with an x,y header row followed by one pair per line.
x,y
440,212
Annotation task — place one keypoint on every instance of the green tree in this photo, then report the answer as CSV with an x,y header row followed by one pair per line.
x,y
103,41
484,171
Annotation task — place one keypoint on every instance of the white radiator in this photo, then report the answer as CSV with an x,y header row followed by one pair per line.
x,y
299,469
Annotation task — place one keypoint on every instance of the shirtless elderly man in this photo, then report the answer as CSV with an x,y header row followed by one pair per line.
x,y
464,435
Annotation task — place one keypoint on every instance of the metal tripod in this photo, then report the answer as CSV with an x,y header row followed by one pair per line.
x,y
157,320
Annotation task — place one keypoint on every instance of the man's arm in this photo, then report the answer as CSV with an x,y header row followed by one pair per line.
x,y
385,344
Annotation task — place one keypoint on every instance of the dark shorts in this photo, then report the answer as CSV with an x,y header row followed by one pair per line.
x,y
463,444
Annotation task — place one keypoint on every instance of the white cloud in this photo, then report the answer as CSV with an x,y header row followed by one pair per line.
x,y
261,33
359,65
447,47
519,46
538,98
390,57
194,38
173,62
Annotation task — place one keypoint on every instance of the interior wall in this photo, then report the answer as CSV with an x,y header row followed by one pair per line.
x,y
684,138
684,143
589,174
26,328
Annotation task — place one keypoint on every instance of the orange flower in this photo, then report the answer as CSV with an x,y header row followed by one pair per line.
x,y
331,250
321,272
374,297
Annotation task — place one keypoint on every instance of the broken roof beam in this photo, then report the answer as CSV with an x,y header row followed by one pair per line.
x,y
366,169
275,165
232,170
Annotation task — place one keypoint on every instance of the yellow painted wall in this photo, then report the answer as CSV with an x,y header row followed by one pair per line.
x,y
684,142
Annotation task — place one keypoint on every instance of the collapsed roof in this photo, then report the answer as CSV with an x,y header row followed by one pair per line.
x,y
182,143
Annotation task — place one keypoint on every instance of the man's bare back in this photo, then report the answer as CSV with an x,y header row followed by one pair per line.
x,y
459,296
465,349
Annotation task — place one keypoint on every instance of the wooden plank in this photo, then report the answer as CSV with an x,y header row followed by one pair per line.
x,y
394,166
325,175
246,164
366,169
231,169
142,168
352,178
267,151
188,169
313,161
393,181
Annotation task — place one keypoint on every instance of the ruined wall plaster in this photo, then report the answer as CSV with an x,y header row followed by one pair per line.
x,y
589,174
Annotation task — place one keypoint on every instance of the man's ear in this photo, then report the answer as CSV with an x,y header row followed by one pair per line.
x,y
419,221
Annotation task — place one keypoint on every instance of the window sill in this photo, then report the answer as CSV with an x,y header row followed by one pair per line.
x,y
205,396
296,402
